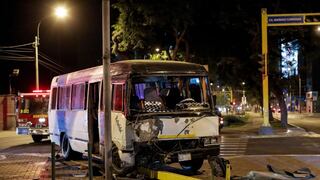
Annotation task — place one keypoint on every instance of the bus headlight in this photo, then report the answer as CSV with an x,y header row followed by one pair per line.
x,y
207,141
42,120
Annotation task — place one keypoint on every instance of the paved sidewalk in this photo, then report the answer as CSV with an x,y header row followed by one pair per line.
x,y
13,166
20,158
73,170
252,127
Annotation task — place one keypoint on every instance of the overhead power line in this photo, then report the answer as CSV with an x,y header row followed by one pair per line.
x,y
50,67
43,55
18,51
15,58
16,46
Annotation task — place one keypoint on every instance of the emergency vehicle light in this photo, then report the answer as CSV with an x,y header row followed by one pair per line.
x,y
40,91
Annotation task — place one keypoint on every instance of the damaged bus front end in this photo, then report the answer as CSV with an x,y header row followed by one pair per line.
x,y
171,116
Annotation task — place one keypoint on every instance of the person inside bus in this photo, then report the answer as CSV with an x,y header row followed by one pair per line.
x,y
173,98
152,99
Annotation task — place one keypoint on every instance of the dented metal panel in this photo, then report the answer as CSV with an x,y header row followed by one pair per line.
x,y
177,128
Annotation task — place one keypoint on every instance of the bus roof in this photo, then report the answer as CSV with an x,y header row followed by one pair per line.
x,y
134,67
156,67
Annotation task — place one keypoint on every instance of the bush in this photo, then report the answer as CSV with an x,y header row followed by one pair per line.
x,y
230,120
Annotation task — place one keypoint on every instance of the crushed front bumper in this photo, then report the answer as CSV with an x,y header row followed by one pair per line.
x,y
197,153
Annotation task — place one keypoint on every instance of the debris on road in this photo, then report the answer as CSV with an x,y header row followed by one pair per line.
x,y
278,174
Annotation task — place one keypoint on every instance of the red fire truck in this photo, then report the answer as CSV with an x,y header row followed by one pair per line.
x,y
33,114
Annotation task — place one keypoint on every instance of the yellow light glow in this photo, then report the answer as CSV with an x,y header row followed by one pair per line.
x,y
318,28
61,12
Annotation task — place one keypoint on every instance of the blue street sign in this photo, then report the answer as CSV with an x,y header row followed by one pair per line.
x,y
285,19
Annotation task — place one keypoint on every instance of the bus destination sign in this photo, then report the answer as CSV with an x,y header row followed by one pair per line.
x,y
285,19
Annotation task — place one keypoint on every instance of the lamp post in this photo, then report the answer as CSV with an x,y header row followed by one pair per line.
x,y
60,12
243,99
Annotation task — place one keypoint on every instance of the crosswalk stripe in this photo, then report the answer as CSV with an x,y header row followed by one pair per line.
x,y
233,146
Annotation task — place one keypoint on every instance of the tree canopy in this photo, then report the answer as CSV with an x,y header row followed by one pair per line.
x,y
226,35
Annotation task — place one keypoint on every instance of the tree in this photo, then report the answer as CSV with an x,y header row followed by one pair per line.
x,y
142,24
226,35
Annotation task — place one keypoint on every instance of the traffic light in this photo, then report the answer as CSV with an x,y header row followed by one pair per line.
x,y
261,63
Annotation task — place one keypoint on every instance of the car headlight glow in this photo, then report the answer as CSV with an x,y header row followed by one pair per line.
x,y
42,120
221,120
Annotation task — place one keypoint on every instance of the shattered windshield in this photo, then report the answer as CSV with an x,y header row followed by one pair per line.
x,y
169,93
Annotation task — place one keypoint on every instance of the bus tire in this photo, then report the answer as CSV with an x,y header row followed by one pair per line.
x,y
117,164
192,165
36,138
67,152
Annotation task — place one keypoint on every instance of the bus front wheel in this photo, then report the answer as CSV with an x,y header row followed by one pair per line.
x,y
118,166
192,165
67,152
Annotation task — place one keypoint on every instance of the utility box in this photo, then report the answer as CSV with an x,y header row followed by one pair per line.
x,y
311,101
7,112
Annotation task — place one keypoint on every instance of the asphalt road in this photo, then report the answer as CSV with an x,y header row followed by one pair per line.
x,y
12,143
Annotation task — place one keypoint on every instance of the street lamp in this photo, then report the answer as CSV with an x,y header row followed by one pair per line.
x,y
60,12
243,99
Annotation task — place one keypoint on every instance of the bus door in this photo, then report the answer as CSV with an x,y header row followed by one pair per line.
x,y
93,105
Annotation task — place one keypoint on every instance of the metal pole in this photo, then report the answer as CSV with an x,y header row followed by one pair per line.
x,y
299,94
36,44
266,128
106,87
90,161
53,161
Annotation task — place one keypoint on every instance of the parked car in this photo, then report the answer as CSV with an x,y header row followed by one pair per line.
x,y
275,109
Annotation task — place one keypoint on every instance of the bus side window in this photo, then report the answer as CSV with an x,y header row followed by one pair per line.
x,y
117,97
64,96
54,98
78,96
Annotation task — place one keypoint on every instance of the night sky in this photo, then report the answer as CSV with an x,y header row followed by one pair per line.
x,y
74,43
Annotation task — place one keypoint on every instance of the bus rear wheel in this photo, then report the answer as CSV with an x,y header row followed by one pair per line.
x,y
67,152
36,138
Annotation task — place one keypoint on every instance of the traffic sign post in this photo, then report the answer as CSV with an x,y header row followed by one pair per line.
x,y
265,128
271,20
